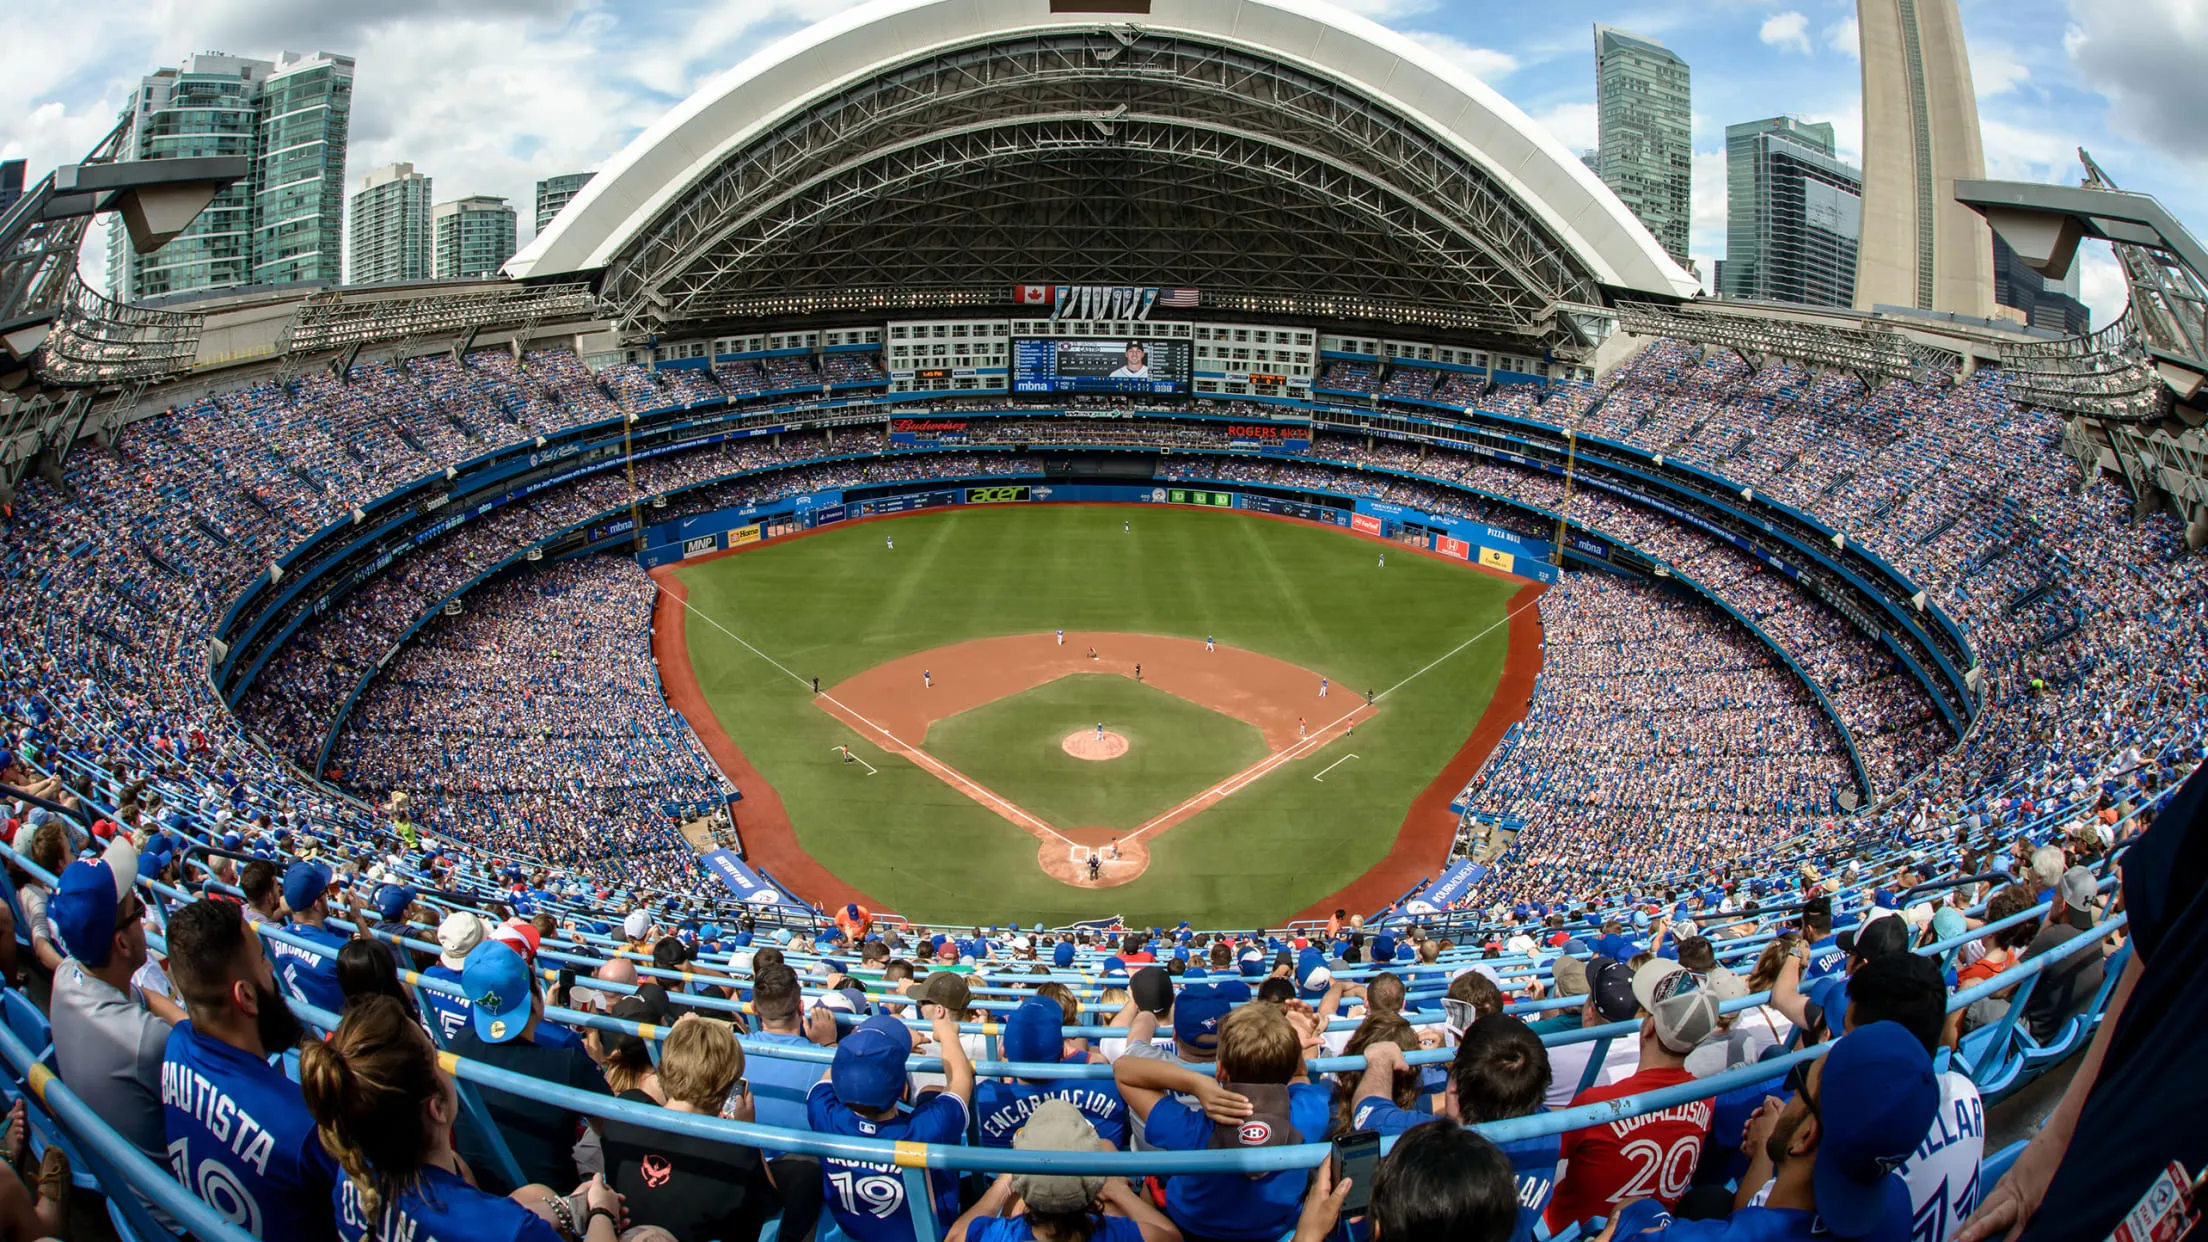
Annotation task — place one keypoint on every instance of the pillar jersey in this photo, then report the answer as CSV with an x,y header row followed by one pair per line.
x,y
240,1138
868,1200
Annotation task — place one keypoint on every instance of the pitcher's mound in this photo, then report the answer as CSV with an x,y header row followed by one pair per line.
x,y
1085,744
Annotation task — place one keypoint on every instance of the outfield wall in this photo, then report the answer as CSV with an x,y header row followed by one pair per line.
x,y
728,529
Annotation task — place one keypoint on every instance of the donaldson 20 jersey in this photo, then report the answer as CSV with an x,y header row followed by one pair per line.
x,y
869,1200
240,1138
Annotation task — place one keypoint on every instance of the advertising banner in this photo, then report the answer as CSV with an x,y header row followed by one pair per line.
x,y
996,495
909,503
700,545
1494,559
742,535
1458,548
1270,437
1450,887
1366,523
917,431
744,882
829,513
1291,508
1183,496
1591,547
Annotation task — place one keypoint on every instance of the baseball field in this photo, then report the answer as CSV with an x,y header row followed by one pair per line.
x,y
998,769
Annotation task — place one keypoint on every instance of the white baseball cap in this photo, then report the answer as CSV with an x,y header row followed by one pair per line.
x,y
636,925
457,936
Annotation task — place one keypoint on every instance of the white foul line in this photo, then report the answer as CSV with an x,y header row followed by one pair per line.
x,y
1330,767
870,770
942,770
1242,780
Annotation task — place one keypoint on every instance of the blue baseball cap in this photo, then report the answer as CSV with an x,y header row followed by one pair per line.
x,y
1197,1012
1036,1031
497,983
1876,1100
392,901
303,882
869,1069
1115,965
87,898
1061,954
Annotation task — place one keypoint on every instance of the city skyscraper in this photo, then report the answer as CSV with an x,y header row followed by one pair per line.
x,y
1645,133
1793,214
11,183
291,118
2038,301
474,236
554,193
1921,248
391,233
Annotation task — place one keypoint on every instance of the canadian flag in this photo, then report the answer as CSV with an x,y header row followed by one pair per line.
x,y
1032,295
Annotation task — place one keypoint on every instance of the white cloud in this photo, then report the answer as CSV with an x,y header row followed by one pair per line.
x,y
2021,153
1788,32
1486,64
1385,11
1708,229
2101,283
1574,124
1995,68
1844,37
2146,56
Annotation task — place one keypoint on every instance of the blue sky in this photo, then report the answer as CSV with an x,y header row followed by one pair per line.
x,y
489,95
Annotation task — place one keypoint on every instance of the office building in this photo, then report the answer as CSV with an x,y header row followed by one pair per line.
x,y
474,236
1921,248
554,193
2050,304
391,235
1793,214
1645,133
290,117
11,183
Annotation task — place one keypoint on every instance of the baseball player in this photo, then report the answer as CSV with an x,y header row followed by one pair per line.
x,y
1061,636
1099,731
847,756
1095,866
1126,527
1138,672
1368,698
1322,687
816,685
890,540
927,679
1301,732
1207,642
1383,560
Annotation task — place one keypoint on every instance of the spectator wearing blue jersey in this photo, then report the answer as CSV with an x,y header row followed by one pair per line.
x,y
382,1106
1040,1207
308,975
1035,1034
1500,1071
863,1097
779,1084
237,1128
458,935
1824,955
1257,1097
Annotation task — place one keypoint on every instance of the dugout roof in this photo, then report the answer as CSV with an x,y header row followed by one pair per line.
x,y
1276,154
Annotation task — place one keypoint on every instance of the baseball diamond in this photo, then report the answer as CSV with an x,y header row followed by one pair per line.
x,y
977,793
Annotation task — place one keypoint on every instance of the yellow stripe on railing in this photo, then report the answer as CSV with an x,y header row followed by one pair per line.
x,y
37,1080
448,1062
911,1155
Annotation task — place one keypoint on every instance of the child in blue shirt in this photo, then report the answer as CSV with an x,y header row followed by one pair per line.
x,y
862,1097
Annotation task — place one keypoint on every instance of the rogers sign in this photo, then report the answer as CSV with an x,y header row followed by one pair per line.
x,y
1259,431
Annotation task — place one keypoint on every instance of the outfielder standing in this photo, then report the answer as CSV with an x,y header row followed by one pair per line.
x,y
927,679
1322,687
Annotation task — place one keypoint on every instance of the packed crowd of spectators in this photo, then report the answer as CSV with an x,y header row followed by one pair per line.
x,y
535,718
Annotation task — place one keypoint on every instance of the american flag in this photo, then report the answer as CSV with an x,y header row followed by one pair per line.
x,y
1183,298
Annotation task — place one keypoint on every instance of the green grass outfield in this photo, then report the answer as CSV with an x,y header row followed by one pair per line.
x,y
836,603
1175,749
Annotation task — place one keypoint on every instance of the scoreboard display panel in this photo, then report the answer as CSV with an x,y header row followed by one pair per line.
x,y
1103,365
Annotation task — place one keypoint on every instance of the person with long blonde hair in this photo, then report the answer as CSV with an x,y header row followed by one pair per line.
x,y
385,1112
